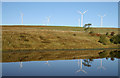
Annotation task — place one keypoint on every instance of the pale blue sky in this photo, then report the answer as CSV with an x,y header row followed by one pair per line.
x,y
62,13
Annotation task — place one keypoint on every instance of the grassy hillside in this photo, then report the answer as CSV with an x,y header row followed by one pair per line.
x,y
30,37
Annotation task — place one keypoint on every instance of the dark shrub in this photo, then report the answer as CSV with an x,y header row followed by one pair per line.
x,y
112,58
112,33
86,29
104,54
74,34
58,37
98,34
22,36
115,39
26,40
107,33
91,32
115,54
104,40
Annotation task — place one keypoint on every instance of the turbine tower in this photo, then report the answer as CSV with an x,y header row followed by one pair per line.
x,y
48,20
82,17
22,17
21,65
101,19
80,67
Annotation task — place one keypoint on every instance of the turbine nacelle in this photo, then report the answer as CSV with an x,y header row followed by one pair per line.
x,y
83,12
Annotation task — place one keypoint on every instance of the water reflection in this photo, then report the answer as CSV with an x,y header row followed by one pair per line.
x,y
87,62
21,65
88,55
47,63
62,68
80,65
101,66
83,64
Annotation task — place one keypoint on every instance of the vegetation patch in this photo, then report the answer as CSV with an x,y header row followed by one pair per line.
x,y
115,39
104,40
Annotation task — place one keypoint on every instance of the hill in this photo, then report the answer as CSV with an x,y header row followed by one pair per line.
x,y
51,37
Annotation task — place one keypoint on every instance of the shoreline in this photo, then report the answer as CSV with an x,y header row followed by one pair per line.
x,y
47,50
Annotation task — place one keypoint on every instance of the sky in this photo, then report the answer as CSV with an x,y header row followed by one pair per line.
x,y
61,13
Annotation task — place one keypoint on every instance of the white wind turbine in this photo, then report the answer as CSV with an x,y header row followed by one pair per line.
x,y
22,17
80,67
48,20
82,17
101,66
102,19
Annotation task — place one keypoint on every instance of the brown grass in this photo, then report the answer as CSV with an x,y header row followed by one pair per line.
x,y
19,38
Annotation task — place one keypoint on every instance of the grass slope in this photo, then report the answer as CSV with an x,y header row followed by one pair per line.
x,y
29,38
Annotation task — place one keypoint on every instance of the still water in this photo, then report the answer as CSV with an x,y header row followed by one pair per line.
x,y
76,67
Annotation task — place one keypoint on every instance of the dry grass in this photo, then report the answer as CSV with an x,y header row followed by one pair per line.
x,y
26,38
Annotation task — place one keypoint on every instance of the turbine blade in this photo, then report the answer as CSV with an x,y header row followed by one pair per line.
x,y
84,71
78,71
85,12
79,12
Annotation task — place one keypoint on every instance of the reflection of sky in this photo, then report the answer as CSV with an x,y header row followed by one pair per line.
x,y
61,68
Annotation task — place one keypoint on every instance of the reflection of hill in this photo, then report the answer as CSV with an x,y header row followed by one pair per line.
x,y
57,55
112,54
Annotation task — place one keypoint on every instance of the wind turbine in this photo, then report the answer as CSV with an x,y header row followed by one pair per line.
x,y
102,19
101,67
48,20
22,17
80,67
82,17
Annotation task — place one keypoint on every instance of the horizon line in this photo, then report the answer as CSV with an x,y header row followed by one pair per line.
x,y
58,25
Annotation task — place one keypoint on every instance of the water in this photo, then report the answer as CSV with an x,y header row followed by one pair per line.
x,y
76,67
